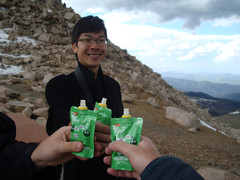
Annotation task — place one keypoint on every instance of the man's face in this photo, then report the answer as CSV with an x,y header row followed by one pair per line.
x,y
90,55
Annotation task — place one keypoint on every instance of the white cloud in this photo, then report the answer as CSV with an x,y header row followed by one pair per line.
x,y
95,10
161,59
226,51
230,51
143,40
226,22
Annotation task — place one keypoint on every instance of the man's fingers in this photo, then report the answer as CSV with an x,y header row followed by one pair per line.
x,y
121,147
103,145
107,160
98,147
67,147
102,137
102,128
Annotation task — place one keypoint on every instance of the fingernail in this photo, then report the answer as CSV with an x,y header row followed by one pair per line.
x,y
78,146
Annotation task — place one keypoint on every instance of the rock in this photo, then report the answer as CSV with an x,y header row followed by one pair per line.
x,y
28,59
44,37
38,103
4,108
138,80
68,16
37,57
27,111
127,98
42,121
235,133
182,117
3,89
193,130
46,79
29,76
41,112
19,106
153,102
38,89
211,173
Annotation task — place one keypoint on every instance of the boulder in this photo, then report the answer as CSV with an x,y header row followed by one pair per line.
x,y
153,102
235,133
41,112
127,98
182,117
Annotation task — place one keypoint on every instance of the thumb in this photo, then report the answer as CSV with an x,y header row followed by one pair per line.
x,y
67,147
122,147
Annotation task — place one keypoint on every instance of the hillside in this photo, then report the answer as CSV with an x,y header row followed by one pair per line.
x,y
35,35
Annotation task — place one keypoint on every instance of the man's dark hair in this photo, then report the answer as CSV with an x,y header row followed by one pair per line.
x,y
92,24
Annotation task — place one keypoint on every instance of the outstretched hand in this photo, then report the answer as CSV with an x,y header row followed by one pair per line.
x,y
139,156
56,149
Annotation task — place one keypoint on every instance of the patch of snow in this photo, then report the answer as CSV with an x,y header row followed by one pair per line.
x,y
235,112
210,127
193,100
13,56
201,100
11,70
3,36
23,39
207,125
27,40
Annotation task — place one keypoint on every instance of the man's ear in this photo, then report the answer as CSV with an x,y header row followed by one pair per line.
x,y
74,47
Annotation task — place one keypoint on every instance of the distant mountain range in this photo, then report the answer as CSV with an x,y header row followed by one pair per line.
x,y
214,78
219,98
216,106
226,91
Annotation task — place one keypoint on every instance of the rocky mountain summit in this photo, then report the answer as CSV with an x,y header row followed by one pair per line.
x,y
35,34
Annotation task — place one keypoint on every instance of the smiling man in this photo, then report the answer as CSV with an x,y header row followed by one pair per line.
x,y
89,43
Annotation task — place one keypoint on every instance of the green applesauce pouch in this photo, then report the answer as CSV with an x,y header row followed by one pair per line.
x,y
83,127
127,129
104,114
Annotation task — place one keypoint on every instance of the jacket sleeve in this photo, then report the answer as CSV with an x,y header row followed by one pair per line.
x,y
15,156
168,167
59,101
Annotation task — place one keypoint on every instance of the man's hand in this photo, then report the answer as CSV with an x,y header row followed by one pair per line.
x,y
102,134
139,156
56,149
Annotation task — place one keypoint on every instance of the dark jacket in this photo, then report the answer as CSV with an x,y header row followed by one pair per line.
x,y
168,168
64,91
15,156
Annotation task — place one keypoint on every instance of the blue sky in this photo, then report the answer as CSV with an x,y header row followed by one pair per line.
x,y
176,35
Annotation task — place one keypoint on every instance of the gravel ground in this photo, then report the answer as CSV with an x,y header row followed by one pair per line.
x,y
201,149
